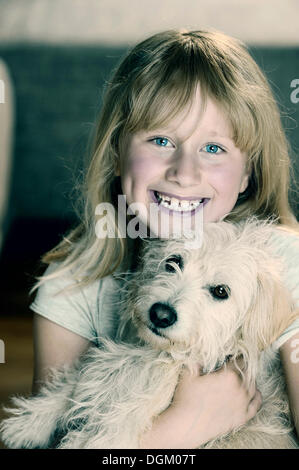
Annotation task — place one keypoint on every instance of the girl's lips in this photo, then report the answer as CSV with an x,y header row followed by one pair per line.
x,y
182,213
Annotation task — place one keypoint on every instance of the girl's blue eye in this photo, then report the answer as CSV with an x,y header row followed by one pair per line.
x,y
161,141
213,148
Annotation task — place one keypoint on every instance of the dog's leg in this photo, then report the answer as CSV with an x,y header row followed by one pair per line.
x,y
118,394
35,419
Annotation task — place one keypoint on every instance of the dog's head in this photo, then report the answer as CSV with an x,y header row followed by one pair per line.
x,y
223,299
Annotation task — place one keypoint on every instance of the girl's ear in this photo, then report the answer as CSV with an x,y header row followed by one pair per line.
x,y
246,177
244,184
269,315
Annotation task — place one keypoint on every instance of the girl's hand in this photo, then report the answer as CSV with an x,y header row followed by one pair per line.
x,y
203,408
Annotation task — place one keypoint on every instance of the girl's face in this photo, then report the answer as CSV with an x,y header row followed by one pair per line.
x,y
192,162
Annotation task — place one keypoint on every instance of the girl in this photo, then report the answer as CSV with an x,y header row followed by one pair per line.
x,y
188,116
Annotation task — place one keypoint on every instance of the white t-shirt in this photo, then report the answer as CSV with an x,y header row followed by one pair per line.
x,y
92,311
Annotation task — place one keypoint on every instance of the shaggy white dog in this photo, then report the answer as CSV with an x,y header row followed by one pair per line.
x,y
183,307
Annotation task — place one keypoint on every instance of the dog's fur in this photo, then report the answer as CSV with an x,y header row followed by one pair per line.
x,y
110,397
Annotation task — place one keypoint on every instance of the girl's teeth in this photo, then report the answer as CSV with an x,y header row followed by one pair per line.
x,y
174,202
177,204
185,204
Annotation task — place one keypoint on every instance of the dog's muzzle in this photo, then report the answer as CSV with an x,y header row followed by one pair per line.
x,y
162,315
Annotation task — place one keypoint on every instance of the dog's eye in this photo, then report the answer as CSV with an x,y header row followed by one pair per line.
x,y
220,292
176,259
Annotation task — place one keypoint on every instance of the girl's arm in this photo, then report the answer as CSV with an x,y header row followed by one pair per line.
x,y
53,347
289,353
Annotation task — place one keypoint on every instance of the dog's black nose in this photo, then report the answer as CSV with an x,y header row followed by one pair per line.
x,y
162,315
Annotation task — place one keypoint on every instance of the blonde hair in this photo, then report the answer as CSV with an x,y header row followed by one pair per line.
x,y
153,83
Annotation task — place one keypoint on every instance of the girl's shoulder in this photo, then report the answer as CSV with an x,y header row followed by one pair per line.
x,y
85,310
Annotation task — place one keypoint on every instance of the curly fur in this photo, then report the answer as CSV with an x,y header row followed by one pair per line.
x,y
108,398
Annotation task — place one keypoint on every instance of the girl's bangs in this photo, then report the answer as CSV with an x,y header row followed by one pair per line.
x,y
246,130
158,103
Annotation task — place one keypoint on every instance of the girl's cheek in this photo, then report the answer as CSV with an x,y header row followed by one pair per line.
x,y
142,166
138,173
225,178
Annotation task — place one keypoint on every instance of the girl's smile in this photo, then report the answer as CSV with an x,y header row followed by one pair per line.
x,y
178,203
189,165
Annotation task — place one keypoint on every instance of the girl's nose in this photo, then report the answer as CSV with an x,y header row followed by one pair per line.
x,y
184,170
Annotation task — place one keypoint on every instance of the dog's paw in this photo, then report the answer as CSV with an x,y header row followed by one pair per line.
x,y
25,428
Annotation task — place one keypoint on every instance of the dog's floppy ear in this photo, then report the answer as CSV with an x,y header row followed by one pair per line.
x,y
270,313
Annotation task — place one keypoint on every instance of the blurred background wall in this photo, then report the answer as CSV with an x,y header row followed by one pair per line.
x,y
56,56
125,22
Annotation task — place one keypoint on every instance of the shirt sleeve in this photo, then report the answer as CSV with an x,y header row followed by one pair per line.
x,y
286,246
74,309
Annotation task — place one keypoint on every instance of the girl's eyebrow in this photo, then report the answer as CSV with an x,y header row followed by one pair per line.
x,y
159,130
221,136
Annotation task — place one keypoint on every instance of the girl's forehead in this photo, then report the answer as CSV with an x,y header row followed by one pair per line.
x,y
208,116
